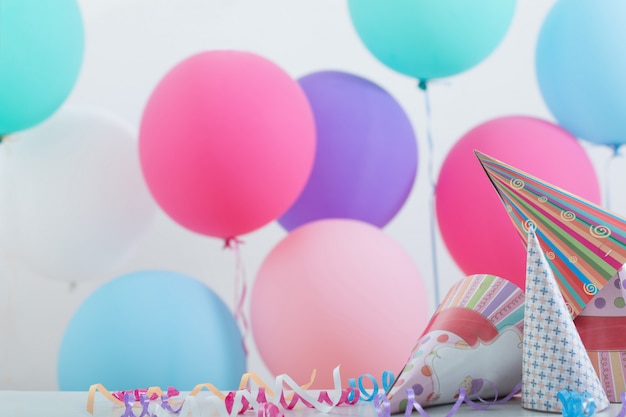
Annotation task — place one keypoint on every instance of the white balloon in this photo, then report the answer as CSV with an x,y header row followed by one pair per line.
x,y
73,202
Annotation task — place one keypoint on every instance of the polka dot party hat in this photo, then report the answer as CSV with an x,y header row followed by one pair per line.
x,y
601,327
473,341
584,244
554,357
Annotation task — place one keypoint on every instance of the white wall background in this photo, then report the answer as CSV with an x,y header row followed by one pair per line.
x,y
131,44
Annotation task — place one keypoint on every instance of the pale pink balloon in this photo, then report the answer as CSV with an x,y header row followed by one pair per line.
x,y
227,142
337,292
473,222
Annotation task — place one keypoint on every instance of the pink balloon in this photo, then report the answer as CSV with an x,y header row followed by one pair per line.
x,y
337,292
227,142
473,222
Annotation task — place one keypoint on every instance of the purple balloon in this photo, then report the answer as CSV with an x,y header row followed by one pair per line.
x,y
366,158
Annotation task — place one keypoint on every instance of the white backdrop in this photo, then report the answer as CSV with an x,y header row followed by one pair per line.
x,y
130,44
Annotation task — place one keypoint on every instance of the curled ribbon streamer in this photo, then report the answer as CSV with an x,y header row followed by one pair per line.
x,y
383,406
335,395
153,393
92,394
577,404
269,410
622,412
209,387
245,381
234,402
386,382
129,401
165,404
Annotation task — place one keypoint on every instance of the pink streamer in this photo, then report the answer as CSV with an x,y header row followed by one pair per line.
x,y
137,393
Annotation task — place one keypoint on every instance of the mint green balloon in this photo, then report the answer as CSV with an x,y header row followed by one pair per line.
x,y
430,39
41,51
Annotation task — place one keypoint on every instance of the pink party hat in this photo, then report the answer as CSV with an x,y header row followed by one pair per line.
x,y
554,357
473,341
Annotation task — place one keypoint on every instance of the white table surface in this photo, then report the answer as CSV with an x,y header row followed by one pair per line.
x,y
73,404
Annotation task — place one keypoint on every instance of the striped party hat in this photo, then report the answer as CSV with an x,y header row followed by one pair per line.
x,y
584,244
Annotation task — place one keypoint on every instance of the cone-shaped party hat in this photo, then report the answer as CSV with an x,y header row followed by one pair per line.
x,y
554,357
585,245
473,341
601,328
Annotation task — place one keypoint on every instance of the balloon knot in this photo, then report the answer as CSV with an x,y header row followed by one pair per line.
x,y
232,242
423,84
615,148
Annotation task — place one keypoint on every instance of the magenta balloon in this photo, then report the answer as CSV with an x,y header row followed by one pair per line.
x,y
473,222
366,157
227,142
337,292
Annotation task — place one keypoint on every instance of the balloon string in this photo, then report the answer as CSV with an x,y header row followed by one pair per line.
x,y
607,176
423,85
241,288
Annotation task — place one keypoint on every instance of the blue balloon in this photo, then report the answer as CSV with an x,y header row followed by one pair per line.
x,y
580,67
41,51
431,38
366,157
151,328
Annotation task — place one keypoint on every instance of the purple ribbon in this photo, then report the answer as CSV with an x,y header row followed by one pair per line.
x,y
383,406
622,412
144,401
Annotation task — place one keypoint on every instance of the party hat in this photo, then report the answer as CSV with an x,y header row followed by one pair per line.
x,y
601,328
554,357
585,245
473,341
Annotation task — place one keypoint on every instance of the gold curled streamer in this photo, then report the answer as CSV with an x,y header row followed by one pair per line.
x,y
542,199
243,384
92,394
210,387
568,216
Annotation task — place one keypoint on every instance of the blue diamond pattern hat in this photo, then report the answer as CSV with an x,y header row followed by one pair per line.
x,y
554,357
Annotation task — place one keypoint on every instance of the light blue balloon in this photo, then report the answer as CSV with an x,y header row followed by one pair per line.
x,y
581,67
151,328
430,39
41,51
